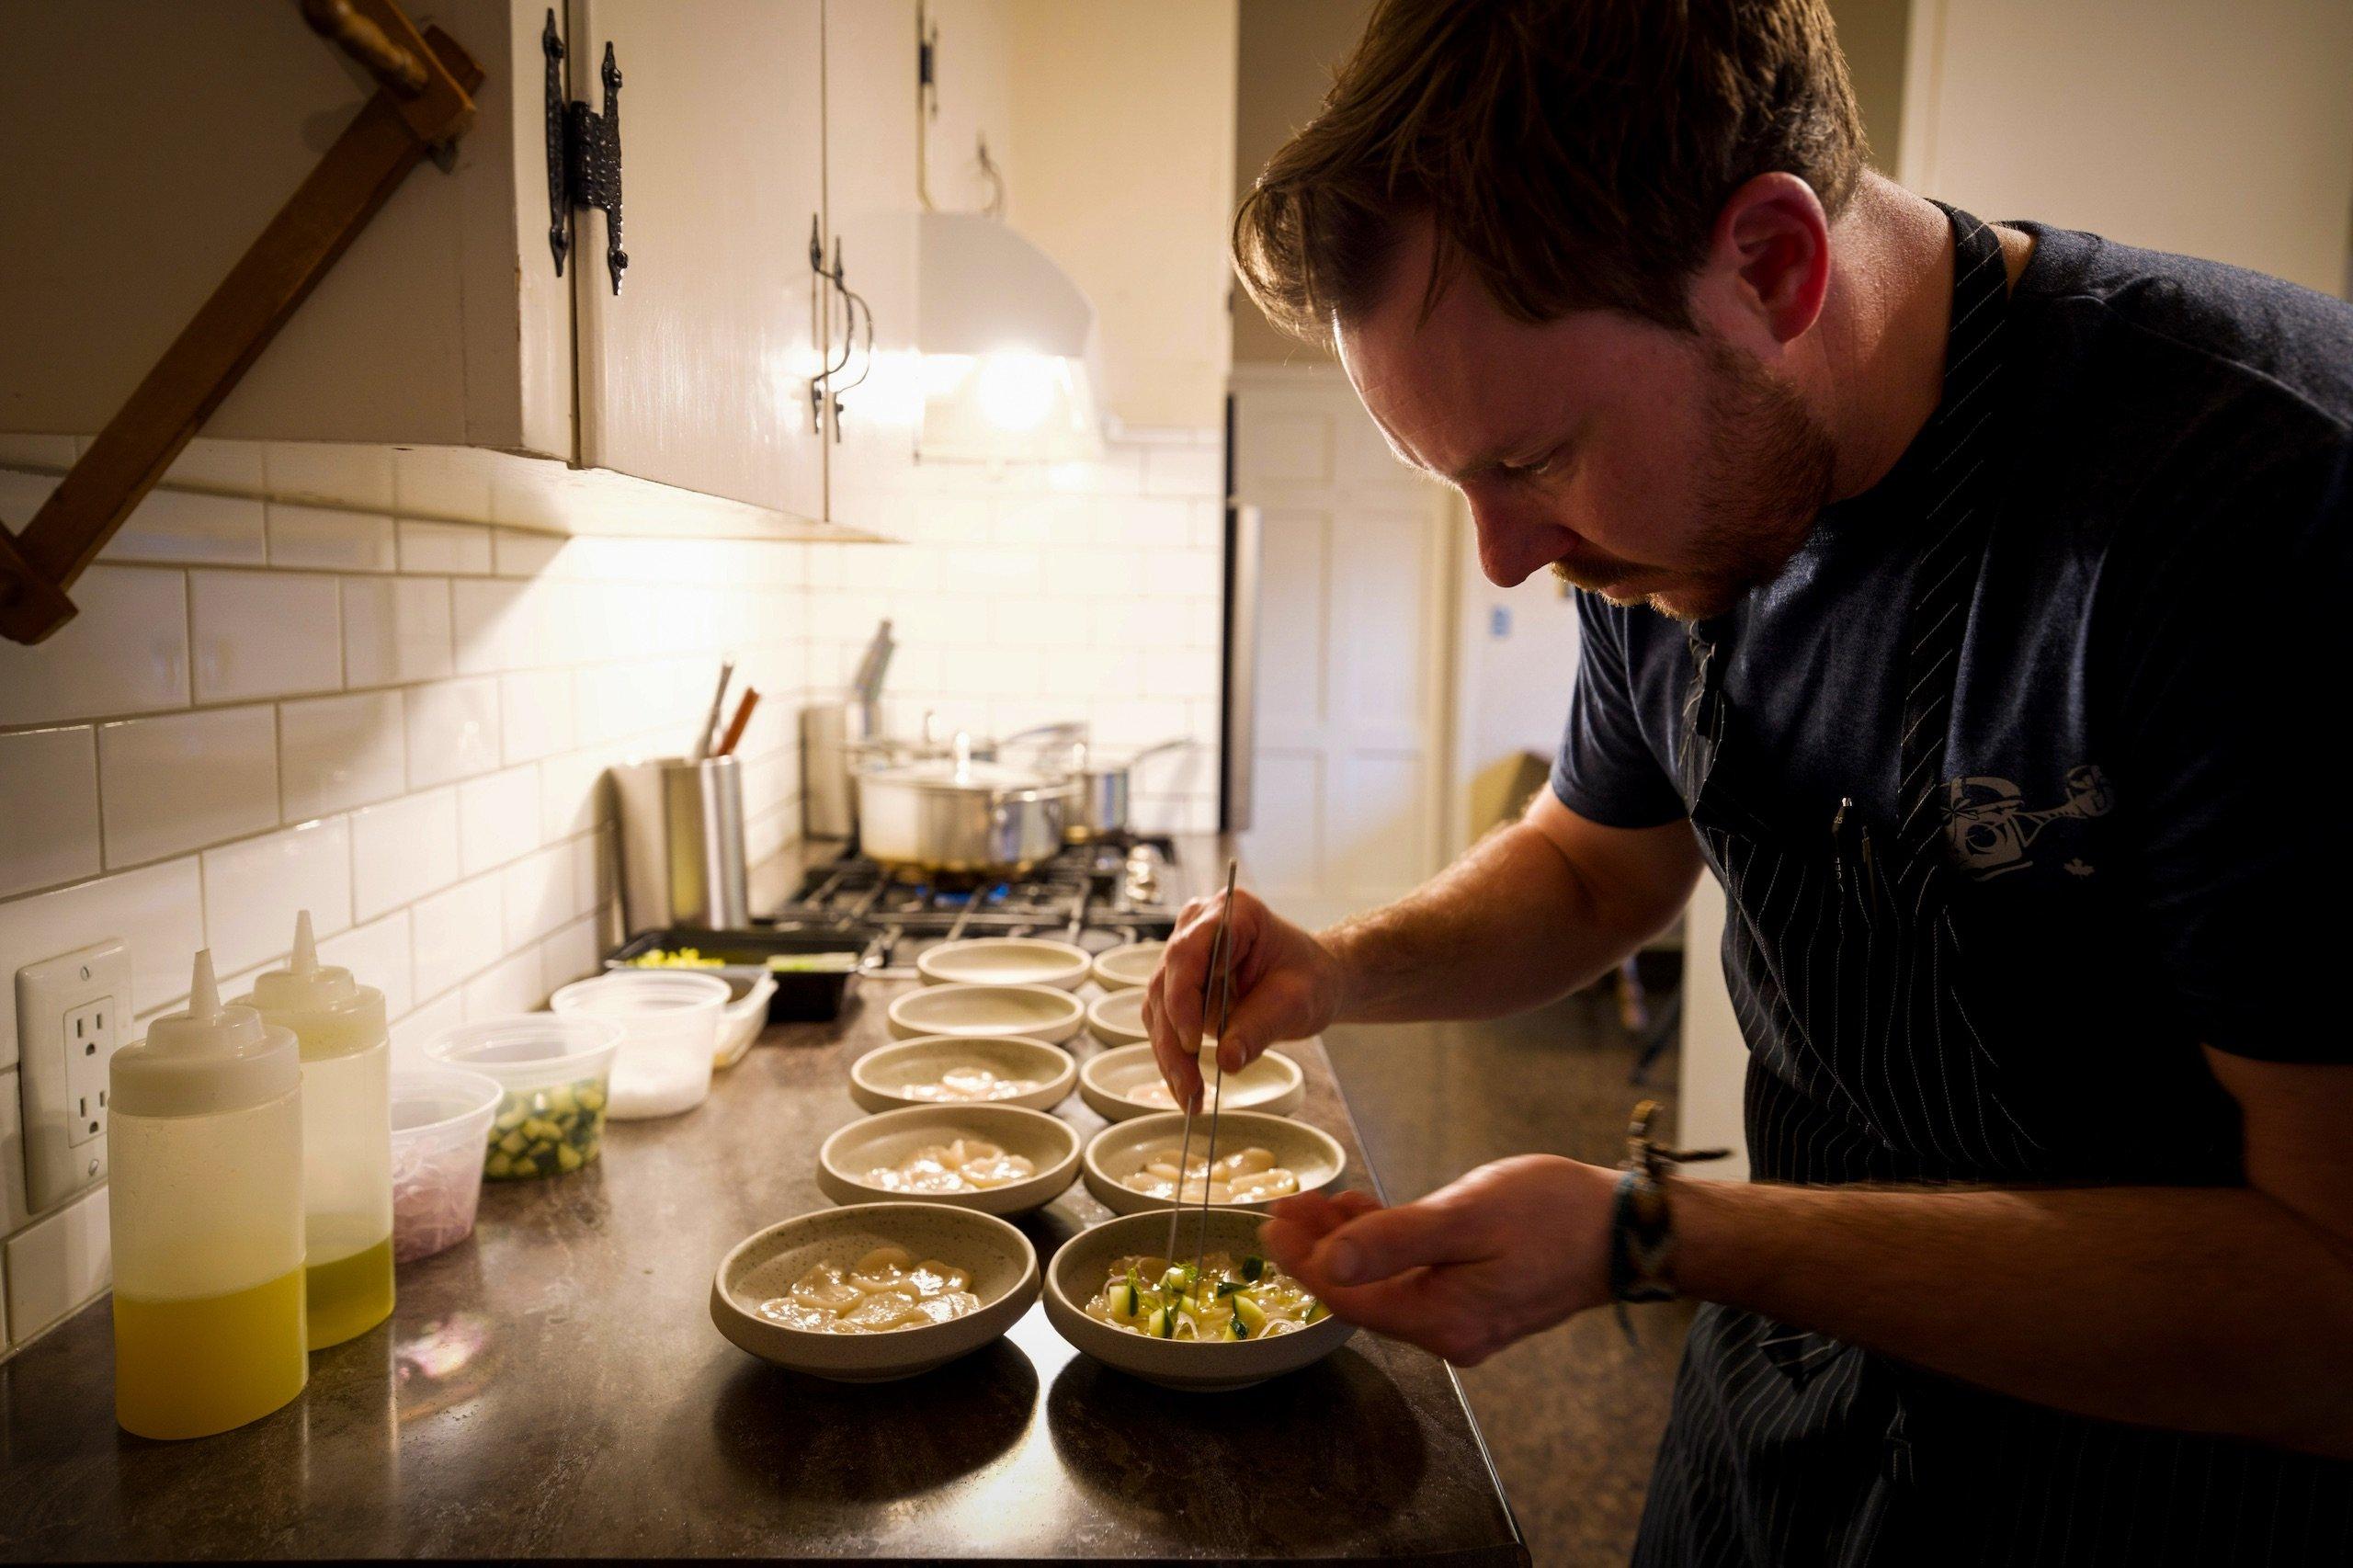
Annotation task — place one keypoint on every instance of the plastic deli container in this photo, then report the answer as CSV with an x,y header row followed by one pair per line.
x,y
553,1074
669,1020
440,1118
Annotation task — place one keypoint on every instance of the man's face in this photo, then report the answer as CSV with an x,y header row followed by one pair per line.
x,y
1647,464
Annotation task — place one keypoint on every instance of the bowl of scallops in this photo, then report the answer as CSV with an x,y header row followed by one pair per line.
x,y
876,1291
1134,1165
994,1159
1211,1312
962,1070
1121,1084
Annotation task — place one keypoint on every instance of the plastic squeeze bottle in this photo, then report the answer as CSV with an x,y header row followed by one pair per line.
x,y
346,1134
205,1141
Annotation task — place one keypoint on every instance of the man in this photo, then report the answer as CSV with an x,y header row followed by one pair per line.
x,y
1964,598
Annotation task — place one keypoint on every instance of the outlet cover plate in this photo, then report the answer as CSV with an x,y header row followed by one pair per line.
x,y
71,1015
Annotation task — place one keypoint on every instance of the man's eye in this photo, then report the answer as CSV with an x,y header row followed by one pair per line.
x,y
1535,470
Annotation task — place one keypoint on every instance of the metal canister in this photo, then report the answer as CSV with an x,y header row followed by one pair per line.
x,y
682,842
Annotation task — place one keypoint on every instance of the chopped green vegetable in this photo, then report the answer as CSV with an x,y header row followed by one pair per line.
x,y
1234,1325
1249,1312
1253,1266
1318,1313
543,1131
1161,1324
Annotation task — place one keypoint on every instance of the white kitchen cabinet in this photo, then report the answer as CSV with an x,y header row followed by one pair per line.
x,y
697,373
972,101
149,145
872,202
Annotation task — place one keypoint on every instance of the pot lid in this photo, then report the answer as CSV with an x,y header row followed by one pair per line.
x,y
955,776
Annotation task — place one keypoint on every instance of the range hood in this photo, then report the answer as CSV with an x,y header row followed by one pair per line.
x,y
1007,342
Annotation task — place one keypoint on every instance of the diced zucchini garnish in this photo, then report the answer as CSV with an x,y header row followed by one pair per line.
x,y
1250,1314
1253,1266
1318,1313
1162,1325
1234,1326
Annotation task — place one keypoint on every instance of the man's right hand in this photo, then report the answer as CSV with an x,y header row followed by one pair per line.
x,y
1287,985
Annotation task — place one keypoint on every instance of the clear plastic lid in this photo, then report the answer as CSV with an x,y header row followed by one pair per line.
x,y
213,1057
329,1011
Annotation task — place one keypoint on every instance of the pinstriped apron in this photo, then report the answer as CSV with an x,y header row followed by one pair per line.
x,y
1787,1447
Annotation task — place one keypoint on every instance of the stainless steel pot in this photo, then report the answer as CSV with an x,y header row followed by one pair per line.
x,y
1101,791
960,816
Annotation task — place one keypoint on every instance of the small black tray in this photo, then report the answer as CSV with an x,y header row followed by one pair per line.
x,y
744,958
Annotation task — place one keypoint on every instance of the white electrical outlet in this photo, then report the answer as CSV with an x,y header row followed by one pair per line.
x,y
71,1012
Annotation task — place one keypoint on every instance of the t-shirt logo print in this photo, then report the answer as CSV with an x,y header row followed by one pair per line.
x,y
1990,829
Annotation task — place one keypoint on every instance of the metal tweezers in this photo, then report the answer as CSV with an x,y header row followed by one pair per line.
x,y
1220,976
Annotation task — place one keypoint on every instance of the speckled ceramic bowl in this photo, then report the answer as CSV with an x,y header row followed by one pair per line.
x,y
879,1080
1116,1018
1079,1269
1004,960
1038,1012
1117,969
1272,1085
1118,1152
1003,1265
1045,1141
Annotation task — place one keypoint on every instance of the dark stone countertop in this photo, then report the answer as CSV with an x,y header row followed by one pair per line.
x,y
552,1387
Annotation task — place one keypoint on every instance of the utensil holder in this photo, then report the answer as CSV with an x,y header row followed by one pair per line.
x,y
682,842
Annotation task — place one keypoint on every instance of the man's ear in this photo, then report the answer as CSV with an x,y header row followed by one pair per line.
x,y
1768,255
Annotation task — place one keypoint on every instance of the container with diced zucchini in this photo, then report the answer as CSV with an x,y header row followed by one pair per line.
x,y
553,1129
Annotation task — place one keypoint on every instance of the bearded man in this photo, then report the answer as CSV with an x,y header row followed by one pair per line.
x,y
1958,595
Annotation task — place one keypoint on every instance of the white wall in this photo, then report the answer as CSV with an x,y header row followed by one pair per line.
x,y
1512,682
2218,131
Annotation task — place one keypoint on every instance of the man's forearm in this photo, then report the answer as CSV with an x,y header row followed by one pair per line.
x,y
2210,1309
1509,927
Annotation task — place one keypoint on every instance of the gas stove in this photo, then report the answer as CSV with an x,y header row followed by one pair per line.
x,y
1095,896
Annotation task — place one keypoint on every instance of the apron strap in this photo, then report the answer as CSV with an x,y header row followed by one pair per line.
x,y
1956,523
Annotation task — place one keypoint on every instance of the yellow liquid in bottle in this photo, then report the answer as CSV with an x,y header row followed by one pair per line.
x,y
203,1364
351,1295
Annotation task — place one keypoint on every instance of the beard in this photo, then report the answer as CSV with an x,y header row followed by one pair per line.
x,y
1763,478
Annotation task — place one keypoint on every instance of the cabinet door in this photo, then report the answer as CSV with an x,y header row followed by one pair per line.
x,y
697,372
972,103
870,209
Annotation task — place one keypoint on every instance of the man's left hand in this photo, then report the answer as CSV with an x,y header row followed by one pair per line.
x,y
1507,1251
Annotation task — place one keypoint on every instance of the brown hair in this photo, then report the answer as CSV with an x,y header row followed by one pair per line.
x,y
1571,154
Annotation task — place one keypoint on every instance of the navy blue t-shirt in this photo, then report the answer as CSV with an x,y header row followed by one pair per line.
x,y
2154,667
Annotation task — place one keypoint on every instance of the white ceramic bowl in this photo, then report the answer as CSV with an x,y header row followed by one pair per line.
x,y
1272,1085
741,1022
1078,1271
1036,1012
878,1080
1116,1018
1118,1152
1004,960
1117,969
1046,1143
1003,1265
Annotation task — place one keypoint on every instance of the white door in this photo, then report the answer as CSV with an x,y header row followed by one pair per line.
x,y
697,373
1347,794
870,205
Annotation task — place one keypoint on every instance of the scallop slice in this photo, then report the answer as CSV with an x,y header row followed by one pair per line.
x,y
968,1083
1243,1162
797,1314
1258,1186
885,1309
946,1307
932,1278
884,1268
824,1289
999,1169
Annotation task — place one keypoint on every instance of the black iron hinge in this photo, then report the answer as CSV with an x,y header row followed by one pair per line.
x,y
584,157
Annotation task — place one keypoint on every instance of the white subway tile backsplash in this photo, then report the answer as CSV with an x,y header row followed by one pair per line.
x,y
572,791
572,953
13,1202
516,553
535,714
324,539
420,1028
377,954
456,934
536,892
497,624
233,466
498,819
124,652
403,850
264,635
186,780
330,471
188,526
452,731
429,482
395,630
449,548
157,911
339,752
512,986
1183,471
57,1265
254,889
48,828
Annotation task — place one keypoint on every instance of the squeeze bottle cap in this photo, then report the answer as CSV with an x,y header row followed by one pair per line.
x,y
215,1057
329,1011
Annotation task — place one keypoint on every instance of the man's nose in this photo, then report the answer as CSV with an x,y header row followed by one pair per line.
x,y
1510,549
